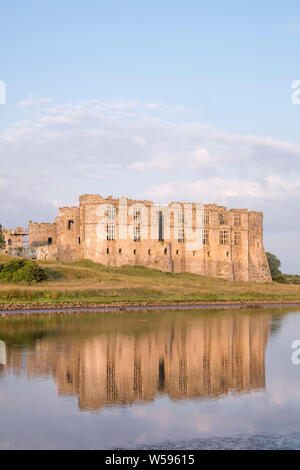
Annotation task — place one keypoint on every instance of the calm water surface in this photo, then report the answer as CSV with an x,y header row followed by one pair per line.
x,y
163,380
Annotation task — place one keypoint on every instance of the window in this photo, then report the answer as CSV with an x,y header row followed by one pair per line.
x,y
25,241
134,252
237,238
205,218
181,235
181,217
149,252
221,219
9,242
110,232
224,237
194,253
49,241
137,233
111,212
120,251
70,224
137,214
236,220
78,240
177,252
204,237
165,251
160,227
107,251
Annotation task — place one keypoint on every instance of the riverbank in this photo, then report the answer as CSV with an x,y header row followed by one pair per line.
x,y
82,284
51,308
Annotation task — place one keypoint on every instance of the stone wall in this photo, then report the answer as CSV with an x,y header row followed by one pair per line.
x,y
240,257
208,240
43,234
68,234
15,240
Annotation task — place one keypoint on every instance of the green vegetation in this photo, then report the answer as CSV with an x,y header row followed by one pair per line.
x,y
86,281
2,240
21,270
274,264
292,278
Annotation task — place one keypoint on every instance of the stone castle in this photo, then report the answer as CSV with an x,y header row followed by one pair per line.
x,y
208,240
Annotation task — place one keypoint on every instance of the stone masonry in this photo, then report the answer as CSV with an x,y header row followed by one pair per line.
x,y
208,240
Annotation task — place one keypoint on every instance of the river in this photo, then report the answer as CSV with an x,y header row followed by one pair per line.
x,y
188,379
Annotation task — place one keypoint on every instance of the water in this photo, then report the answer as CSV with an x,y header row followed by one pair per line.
x,y
150,380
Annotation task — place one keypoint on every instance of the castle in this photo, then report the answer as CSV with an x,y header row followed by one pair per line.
x,y
208,240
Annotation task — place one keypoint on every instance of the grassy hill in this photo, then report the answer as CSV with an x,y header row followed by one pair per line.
x,y
86,281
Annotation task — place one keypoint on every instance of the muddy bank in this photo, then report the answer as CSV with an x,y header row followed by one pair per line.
x,y
56,308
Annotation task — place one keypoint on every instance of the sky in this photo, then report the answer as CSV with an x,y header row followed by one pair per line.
x,y
174,100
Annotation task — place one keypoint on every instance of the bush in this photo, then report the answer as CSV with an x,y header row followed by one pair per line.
x,y
22,271
280,278
293,278
274,264
2,239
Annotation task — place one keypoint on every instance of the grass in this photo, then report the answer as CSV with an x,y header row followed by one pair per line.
x,y
86,281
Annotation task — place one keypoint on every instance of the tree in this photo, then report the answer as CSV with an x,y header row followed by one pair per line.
x,y
274,264
2,239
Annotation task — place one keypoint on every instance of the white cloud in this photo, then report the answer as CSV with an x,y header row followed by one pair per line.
x,y
56,152
140,141
34,100
201,158
161,162
224,190
214,190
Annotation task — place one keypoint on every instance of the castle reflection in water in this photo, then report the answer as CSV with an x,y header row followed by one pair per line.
x,y
186,357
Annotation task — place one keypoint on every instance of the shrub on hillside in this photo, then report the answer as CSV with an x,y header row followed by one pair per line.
x,y
293,278
280,278
22,271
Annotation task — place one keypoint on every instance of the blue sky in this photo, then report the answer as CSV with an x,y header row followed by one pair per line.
x,y
222,59
171,99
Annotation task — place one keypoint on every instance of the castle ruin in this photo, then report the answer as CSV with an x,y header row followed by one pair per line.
x,y
208,240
